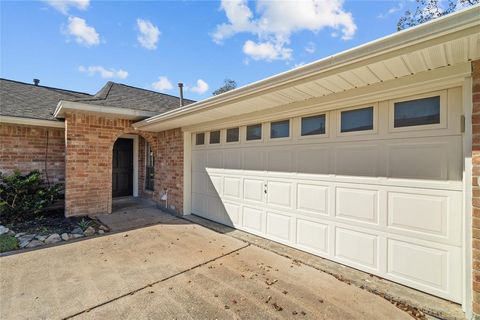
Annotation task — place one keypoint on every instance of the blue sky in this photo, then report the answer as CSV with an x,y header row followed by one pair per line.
x,y
81,44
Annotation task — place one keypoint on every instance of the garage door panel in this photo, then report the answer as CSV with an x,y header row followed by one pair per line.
x,y
278,226
279,160
215,159
197,205
421,213
198,161
198,182
279,193
253,219
253,159
357,247
430,267
214,185
357,204
232,187
233,214
232,159
253,189
357,160
313,160
312,236
414,161
312,198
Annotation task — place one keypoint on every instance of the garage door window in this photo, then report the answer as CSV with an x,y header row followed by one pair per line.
x,y
200,139
254,132
233,134
280,129
357,120
417,112
214,137
313,125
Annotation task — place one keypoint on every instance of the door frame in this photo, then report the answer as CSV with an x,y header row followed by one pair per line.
x,y
135,139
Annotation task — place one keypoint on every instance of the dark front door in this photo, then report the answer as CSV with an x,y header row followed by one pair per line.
x,y
122,168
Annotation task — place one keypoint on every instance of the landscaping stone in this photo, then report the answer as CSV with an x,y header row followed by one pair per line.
x,y
104,228
24,240
65,237
77,230
34,243
20,234
3,229
53,238
40,238
101,232
90,231
76,235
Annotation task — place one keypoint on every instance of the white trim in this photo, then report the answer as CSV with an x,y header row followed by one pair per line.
x,y
135,139
32,122
130,114
467,198
187,173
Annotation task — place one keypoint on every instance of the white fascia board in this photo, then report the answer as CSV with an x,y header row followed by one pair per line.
x,y
64,106
461,20
32,122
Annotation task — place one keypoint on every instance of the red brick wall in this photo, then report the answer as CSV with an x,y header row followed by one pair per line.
x,y
89,144
476,184
25,148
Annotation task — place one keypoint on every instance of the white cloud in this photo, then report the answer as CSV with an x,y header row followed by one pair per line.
x,y
392,10
64,5
298,65
201,87
103,72
162,84
276,21
83,33
310,47
266,51
149,34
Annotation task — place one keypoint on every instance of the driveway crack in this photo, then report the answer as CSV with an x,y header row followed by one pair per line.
x,y
156,282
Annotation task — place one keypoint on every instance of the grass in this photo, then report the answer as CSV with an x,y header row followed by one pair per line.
x,y
8,243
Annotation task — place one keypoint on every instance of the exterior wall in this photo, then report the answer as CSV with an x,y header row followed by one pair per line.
x,y
476,185
27,148
89,145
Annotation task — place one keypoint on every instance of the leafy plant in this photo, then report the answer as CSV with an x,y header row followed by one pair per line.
x,y
431,9
8,243
25,196
228,84
84,224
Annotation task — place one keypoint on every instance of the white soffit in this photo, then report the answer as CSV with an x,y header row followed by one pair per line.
x,y
444,42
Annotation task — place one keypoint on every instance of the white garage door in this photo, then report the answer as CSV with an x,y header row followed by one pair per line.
x,y
385,199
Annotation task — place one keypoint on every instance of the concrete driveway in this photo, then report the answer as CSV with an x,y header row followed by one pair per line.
x,y
175,270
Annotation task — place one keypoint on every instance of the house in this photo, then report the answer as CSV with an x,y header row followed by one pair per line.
x,y
369,158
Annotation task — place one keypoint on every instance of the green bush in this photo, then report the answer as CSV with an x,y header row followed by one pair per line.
x,y
8,243
25,196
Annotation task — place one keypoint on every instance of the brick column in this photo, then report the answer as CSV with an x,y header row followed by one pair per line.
x,y
476,185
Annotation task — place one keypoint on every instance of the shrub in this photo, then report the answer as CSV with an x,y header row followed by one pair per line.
x,y
25,196
8,243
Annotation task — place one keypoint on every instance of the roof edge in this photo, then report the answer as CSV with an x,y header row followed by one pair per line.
x,y
64,106
32,122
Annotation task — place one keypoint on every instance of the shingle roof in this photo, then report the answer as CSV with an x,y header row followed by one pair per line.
x,y
19,99
128,97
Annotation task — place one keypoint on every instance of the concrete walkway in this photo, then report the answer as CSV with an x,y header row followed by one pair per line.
x,y
175,270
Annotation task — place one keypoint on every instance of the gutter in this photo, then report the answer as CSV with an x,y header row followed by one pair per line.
x,y
461,20
32,122
65,106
